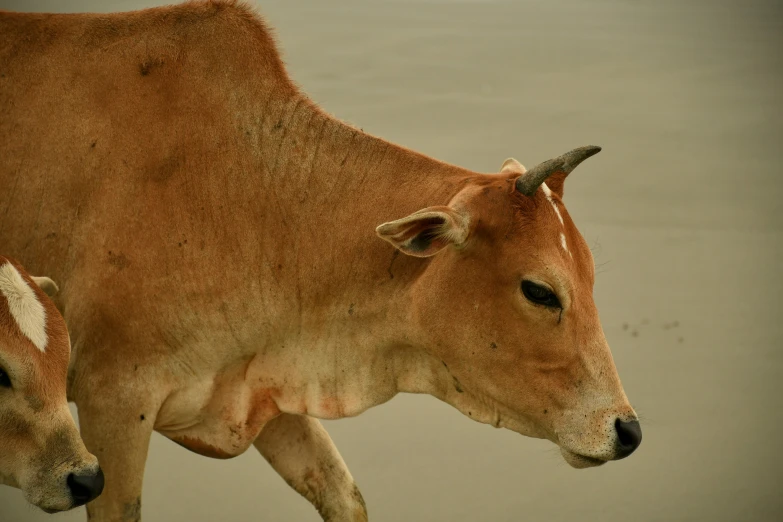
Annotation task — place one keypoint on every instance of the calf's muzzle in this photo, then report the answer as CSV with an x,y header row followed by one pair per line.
x,y
85,487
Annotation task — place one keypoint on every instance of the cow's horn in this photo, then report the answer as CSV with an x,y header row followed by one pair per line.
x,y
529,182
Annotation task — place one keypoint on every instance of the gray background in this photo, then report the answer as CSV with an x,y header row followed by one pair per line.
x,y
683,208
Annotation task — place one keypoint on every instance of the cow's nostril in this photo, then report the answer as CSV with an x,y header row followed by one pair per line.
x,y
629,436
85,488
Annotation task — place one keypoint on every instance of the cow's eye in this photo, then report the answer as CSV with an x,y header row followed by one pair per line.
x,y
540,294
5,380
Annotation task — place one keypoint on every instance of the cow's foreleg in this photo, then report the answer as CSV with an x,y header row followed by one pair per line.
x,y
301,451
118,432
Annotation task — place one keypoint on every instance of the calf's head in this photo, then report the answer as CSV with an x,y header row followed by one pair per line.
x,y
41,451
505,301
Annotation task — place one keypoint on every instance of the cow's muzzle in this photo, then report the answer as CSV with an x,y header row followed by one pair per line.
x,y
629,436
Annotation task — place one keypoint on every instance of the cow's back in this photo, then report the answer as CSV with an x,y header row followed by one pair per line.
x,y
129,157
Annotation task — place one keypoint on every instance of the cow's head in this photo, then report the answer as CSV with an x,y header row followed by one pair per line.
x,y
41,451
506,303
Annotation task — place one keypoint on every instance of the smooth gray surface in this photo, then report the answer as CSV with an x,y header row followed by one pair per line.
x,y
683,207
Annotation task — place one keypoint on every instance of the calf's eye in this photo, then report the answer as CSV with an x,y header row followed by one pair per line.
x,y
5,380
538,294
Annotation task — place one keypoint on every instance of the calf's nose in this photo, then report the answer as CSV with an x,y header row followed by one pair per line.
x,y
85,487
629,436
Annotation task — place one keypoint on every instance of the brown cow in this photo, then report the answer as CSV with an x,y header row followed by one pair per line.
x,y
41,451
223,279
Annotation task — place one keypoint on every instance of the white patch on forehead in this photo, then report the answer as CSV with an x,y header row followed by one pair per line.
x,y
548,194
557,211
25,308
563,242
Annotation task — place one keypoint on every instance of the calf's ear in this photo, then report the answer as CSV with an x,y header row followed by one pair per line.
x,y
427,231
49,287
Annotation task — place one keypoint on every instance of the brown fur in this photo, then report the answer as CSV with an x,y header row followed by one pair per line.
x,y
213,231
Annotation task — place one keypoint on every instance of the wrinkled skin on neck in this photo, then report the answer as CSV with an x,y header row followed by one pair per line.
x,y
40,444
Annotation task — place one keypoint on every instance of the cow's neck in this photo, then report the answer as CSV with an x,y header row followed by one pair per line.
x,y
353,323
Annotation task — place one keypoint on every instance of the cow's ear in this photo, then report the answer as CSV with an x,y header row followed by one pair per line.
x,y
427,231
512,166
49,287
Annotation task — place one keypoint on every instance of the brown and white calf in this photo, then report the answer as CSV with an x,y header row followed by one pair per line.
x,y
41,451
217,237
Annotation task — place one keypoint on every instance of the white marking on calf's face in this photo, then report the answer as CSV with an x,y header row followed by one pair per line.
x,y
25,308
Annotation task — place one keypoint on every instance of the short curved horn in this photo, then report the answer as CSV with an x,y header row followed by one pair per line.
x,y
529,182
